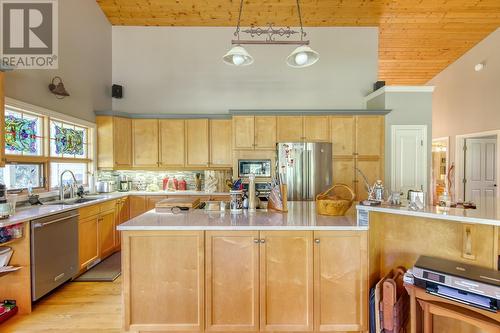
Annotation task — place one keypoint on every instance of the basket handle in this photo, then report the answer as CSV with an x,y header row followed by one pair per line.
x,y
335,186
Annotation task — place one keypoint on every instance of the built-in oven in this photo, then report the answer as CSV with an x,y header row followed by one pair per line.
x,y
260,168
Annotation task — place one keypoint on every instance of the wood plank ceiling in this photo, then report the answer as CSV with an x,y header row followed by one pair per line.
x,y
418,38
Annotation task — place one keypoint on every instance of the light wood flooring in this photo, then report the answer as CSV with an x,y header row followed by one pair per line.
x,y
77,307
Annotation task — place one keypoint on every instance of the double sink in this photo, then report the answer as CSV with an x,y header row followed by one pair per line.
x,y
74,201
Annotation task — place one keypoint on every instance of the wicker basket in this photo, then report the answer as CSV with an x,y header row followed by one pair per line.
x,y
335,201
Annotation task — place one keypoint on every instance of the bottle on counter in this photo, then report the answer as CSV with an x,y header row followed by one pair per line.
x,y
165,183
182,185
251,193
176,184
198,181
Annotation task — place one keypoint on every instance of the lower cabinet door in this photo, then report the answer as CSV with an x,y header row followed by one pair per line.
x,y
106,233
164,286
88,248
286,281
340,281
232,281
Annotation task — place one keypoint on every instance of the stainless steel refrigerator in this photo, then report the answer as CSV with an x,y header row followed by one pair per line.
x,y
306,168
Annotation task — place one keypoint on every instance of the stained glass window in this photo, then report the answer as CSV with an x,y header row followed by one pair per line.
x,y
68,140
23,133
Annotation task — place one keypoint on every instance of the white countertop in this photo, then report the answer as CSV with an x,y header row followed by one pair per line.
x,y
475,216
25,214
301,216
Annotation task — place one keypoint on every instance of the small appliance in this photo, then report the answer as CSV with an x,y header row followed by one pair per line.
x,y
467,284
260,168
125,184
104,186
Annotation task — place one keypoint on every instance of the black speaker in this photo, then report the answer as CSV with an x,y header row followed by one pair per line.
x,y
117,91
377,85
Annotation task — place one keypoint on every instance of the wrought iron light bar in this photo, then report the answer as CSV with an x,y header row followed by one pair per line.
x,y
270,32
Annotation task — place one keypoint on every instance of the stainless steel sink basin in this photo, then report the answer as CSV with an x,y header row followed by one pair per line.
x,y
74,201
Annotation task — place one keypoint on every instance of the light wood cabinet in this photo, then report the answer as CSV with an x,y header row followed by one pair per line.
x,y
343,129
370,135
373,170
2,119
197,142
172,143
106,233
265,132
286,281
151,201
145,143
122,214
88,241
316,129
137,205
303,129
176,304
232,281
340,281
254,132
114,142
221,153
343,171
290,129
244,132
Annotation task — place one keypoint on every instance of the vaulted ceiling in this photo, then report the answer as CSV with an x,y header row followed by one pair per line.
x,y
418,38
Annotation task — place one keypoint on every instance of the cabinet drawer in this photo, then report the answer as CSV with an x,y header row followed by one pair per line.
x,y
108,205
88,211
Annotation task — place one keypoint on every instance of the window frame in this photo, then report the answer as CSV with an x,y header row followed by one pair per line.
x,y
46,158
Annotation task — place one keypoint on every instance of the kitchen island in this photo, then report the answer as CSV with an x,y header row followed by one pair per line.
x,y
213,271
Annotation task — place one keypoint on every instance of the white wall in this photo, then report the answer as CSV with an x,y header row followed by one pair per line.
x,y
466,101
84,65
180,70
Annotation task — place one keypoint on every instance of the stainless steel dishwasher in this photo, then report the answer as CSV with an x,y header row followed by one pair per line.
x,y
54,252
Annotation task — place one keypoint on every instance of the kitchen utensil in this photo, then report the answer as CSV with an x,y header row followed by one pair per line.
x,y
197,180
378,191
236,201
104,186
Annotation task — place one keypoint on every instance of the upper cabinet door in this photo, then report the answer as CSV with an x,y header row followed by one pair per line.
x,y
370,135
145,142
340,281
343,135
232,281
221,153
265,132
286,281
316,129
172,143
197,142
122,142
290,129
243,132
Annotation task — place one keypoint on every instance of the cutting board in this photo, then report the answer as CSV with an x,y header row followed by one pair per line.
x,y
178,202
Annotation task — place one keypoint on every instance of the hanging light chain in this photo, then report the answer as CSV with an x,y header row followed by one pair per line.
x,y
302,33
237,32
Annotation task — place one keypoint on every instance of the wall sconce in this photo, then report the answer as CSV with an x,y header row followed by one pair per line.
x,y
58,88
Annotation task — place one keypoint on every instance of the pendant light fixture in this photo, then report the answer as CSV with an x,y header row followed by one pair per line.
x,y
302,56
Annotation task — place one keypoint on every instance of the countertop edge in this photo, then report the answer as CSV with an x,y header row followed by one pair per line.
x,y
431,215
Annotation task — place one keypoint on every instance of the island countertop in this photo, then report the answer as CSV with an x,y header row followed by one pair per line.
x,y
300,216
489,216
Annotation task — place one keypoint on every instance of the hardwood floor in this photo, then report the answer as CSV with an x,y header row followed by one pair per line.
x,y
77,307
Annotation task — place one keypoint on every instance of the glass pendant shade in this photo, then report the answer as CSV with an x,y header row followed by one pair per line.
x,y
238,56
302,56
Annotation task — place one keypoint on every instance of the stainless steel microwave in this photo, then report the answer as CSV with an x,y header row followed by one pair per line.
x,y
260,168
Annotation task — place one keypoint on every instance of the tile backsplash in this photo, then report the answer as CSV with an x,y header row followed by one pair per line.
x,y
144,178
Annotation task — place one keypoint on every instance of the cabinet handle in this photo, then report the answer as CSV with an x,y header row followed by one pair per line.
x,y
256,241
317,241
262,241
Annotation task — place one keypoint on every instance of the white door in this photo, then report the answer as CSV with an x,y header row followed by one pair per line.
x,y
409,157
480,172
